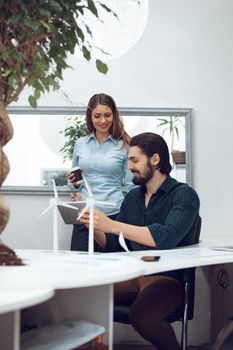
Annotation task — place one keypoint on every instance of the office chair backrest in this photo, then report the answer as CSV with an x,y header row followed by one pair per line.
x,y
189,279
185,311
197,231
193,235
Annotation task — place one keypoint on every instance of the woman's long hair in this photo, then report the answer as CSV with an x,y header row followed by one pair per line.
x,y
117,129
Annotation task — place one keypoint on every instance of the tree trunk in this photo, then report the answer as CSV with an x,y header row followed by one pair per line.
x,y
7,255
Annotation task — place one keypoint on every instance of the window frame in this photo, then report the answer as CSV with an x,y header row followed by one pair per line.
x,y
125,111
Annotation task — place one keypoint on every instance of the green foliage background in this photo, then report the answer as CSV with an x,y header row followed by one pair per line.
x,y
75,128
36,37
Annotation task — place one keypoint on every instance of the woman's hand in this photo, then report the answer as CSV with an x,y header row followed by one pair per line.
x,y
76,197
72,179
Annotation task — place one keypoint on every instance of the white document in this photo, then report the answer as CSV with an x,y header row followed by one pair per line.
x,y
223,248
122,242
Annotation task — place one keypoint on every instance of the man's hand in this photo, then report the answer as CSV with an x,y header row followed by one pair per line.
x,y
101,221
102,225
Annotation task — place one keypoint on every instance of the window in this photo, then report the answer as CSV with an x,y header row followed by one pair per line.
x,y
34,152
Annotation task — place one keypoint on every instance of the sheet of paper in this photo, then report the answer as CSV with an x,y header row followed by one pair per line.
x,y
122,242
228,249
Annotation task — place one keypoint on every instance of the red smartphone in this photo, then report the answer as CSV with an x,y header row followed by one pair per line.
x,y
150,258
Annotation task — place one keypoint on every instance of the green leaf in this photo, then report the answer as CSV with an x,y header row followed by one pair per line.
x,y
25,8
108,9
86,53
48,26
45,83
92,8
36,84
32,100
88,30
43,12
17,55
51,29
5,56
80,9
37,94
15,19
76,128
80,33
102,67
30,24
7,73
12,80
55,5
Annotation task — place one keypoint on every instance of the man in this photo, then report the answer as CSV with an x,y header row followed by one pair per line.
x,y
160,213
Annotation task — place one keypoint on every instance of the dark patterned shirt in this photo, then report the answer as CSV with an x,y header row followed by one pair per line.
x,y
171,215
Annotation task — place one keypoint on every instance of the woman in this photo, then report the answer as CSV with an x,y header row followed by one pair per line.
x,y
102,155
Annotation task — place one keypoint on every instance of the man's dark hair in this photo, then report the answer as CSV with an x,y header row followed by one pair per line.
x,y
151,143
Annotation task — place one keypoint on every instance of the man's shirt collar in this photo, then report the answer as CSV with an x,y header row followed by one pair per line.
x,y
166,186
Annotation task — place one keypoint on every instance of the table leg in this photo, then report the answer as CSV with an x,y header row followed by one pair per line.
x,y
10,330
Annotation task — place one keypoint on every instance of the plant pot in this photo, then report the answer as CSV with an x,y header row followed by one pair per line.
x,y
179,157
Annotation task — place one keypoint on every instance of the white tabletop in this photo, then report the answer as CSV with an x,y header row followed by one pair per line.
x,y
67,269
180,258
23,286
15,296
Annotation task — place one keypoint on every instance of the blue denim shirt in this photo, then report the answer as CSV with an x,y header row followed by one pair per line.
x,y
104,167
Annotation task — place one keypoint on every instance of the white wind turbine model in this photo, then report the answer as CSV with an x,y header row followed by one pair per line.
x,y
90,203
53,205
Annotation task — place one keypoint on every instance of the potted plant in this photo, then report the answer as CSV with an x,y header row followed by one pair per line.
x,y
172,126
75,128
35,46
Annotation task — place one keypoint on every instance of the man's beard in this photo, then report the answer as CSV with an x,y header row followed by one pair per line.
x,y
142,180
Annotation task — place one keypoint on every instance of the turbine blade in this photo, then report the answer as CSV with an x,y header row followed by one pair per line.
x,y
73,202
68,206
82,212
46,210
55,189
88,188
55,230
105,203
91,231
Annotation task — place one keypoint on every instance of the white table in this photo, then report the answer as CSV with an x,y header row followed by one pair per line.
x,y
193,256
16,295
186,257
83,287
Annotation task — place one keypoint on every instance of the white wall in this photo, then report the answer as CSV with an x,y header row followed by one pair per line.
x,y
183,59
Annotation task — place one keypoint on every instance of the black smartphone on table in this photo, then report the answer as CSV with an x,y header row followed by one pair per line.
x,y
150,258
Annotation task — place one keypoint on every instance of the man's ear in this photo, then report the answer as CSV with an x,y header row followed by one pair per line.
x,y
155,159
